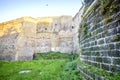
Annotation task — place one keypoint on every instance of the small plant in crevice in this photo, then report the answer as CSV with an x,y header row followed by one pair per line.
x,y
83,27
116,38
89,34
104,4
86,7
118,18
81,48
113,68
95,26
114,7
102,11
97,54
109,19
108,7
92,10
105,31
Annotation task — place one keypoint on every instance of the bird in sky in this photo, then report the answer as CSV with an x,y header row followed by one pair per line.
x,y
46,4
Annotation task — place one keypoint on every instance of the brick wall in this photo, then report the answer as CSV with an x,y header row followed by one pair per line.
x,y
100,40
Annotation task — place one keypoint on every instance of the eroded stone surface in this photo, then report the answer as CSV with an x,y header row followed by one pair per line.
x,y
22,37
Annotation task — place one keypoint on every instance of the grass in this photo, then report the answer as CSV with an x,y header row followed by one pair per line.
x,y
49,66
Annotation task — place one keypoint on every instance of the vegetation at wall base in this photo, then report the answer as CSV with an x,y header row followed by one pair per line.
x,y
55,55
98,71
45,66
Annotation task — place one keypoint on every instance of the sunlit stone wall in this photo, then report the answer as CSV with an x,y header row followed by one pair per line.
x,y
21,38
9,32
26,41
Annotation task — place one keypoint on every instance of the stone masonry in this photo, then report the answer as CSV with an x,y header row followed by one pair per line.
x,y
99,38
23,37
93,33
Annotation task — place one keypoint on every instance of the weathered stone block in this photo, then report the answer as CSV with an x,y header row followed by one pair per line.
x,y
109,39
96,53
117,46
114,53
105,67
111,46
112,32
104,53
116,61
113,68
99,36
113,25
118,69
98,59
101,41
118,30
106,60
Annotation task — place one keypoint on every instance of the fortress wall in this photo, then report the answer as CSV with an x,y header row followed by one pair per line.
x,y
99,36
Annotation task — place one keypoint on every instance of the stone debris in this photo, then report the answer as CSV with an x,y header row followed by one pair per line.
x,y
24,71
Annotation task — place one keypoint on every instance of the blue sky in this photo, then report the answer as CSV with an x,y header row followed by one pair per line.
x,y
12,9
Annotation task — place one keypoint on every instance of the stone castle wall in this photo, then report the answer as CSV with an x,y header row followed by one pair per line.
x,y
23,37
99,36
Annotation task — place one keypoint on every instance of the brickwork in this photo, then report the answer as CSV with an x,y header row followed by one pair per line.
x,y
100,43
